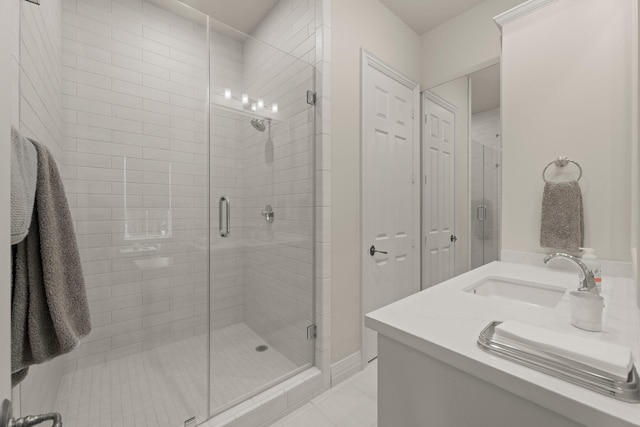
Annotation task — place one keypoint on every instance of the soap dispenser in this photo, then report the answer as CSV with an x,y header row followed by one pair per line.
x,y
591,260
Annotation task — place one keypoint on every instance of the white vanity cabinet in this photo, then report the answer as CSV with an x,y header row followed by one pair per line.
x,y
416,389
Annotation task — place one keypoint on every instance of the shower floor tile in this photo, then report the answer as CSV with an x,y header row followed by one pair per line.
x,y
168,384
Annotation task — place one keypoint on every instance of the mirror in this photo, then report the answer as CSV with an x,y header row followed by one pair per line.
x,y
462,167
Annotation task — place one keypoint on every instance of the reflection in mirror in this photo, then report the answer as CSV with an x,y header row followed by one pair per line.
x,y
485,166
473,102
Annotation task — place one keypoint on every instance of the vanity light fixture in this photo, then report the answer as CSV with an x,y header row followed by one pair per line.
x,y
245,99
227,93
254,107
260,103
274,107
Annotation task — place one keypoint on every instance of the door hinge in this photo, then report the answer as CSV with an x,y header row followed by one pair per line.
x,y
413,243
312,332
425,179
426,120
312,97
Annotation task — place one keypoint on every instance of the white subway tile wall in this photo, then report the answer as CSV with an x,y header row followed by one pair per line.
x,y
135,79
41,75
485,128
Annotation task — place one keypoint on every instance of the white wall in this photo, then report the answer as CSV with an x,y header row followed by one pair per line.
x,y
566,79
462,45
356,24
457,93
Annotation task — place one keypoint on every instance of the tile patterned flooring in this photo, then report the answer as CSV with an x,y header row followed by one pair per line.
x,y
352,403
164,386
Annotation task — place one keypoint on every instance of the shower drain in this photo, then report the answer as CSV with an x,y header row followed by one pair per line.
x,y
262,348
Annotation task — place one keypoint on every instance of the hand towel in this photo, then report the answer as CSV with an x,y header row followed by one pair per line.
x,y
612,359
24,170
49,309
562,223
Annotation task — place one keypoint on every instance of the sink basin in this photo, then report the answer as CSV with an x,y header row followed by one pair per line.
x,y
519,290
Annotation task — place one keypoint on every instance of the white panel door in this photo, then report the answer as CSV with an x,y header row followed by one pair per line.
x,y
388,196
438,195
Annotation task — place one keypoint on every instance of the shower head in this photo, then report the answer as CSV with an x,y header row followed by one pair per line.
x,y
258,124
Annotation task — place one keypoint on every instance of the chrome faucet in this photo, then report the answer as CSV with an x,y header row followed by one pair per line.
x,y
588,282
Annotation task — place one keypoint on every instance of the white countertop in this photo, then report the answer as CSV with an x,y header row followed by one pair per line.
x,y
444,322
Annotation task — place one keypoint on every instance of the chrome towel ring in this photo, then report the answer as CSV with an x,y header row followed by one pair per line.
x,y
561,162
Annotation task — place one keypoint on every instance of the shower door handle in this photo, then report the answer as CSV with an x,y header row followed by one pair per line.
x,y
224,200
481,213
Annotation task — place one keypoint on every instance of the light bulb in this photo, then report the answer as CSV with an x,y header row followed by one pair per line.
x,y
254,107
260,103
227,93
245,99
274,107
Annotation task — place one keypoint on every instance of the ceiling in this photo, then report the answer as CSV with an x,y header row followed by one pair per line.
x,y
423,15
243,15
485,89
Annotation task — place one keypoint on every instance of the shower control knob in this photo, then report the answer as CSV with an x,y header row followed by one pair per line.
x,y
268,213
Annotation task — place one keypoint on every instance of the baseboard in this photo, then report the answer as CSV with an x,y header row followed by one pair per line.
x,y
346,367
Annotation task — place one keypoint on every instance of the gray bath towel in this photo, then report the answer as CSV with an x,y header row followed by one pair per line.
x,y
49,309
24,169
562,225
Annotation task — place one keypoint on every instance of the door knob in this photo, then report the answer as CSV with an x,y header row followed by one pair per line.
x,y
373,250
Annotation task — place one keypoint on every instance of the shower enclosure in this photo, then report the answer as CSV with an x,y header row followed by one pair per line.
x,y
187,150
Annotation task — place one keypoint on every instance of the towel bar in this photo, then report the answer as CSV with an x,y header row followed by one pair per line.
x,y
562,368
561,162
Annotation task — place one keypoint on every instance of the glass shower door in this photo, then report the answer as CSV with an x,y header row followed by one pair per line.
x,y
262,195
485,204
